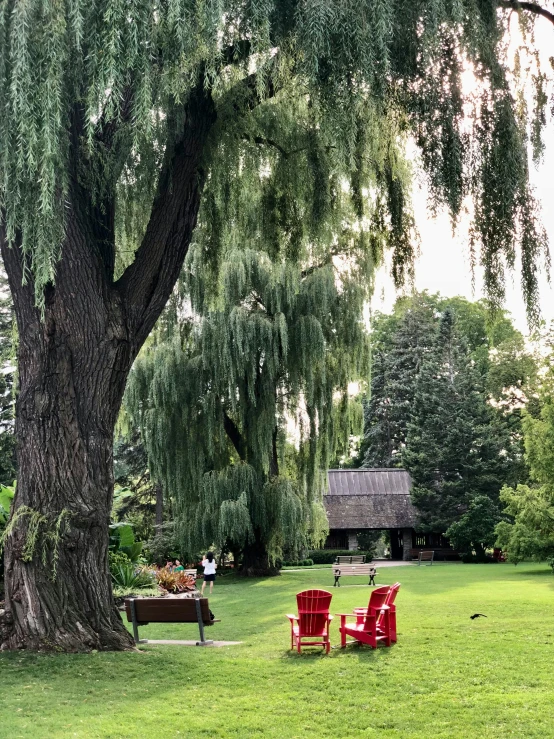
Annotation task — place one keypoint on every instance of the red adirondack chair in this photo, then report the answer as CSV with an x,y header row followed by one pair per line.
x,y
391,597
313,620
365,629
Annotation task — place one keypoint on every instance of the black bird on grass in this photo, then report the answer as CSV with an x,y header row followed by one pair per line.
x,y
476,615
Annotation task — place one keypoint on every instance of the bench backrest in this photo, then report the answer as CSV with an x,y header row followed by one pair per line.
x,y
363,569
352,560
191,573
426,556
168,610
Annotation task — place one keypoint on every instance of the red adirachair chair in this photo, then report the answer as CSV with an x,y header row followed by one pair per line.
x,y
391,597
313,620
365,629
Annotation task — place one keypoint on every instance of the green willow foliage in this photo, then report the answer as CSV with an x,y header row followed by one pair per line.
x,y
215,395
347,82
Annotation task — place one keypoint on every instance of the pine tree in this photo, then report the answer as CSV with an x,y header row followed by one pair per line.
x,y
123,125
456,450
400,342
275,344
400,355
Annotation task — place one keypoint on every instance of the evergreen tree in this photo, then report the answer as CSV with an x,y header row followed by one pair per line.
x,y
394,376
400,341
275,344
456,450
124,124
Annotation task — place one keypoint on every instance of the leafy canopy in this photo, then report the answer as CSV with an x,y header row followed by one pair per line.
x,y
216,396
530,533
93,93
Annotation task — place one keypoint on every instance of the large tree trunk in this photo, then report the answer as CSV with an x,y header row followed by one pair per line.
x,y
255,560
73,366
72,376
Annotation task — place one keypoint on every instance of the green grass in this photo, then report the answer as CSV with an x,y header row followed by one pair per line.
x,y
447,676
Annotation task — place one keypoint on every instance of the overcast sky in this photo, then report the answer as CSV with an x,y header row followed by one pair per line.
x,y
443,265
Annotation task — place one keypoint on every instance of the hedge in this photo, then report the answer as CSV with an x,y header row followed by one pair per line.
x,y
328,556
297,563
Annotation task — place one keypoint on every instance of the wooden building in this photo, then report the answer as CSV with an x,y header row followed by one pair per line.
x,y
375,499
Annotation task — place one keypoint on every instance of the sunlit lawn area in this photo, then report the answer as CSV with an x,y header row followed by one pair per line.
x,y
448,676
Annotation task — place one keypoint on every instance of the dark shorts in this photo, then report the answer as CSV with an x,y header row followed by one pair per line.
x,y
209,578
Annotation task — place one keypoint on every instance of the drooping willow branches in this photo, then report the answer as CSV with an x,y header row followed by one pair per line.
x,y
110,79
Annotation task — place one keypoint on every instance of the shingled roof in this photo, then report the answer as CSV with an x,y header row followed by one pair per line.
x,y
369,499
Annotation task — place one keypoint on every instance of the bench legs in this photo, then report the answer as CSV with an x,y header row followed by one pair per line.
x,y
203,642
135,624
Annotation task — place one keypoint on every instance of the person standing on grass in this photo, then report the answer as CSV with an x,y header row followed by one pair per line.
x,y
209,565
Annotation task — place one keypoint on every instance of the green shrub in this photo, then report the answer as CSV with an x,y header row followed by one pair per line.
x,y
126,575
122,539
328,556
117,558
296,563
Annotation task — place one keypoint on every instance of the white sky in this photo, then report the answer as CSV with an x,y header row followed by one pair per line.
x,y
443,265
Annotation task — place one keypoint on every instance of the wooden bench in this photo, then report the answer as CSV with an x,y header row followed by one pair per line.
x,y
441,553
192,573
425,557
355,559
142,611
350,570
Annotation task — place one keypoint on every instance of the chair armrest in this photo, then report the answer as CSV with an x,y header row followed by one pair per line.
x,y
344,615
291,617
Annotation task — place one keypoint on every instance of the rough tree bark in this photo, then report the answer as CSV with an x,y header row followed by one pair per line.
x,y
73,366
255,559
159,508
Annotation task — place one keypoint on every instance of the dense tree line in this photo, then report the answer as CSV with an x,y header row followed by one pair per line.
x,y
528,530
449,382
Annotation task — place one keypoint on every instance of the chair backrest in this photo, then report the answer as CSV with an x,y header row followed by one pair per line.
x,y
376,601
313,611
391,597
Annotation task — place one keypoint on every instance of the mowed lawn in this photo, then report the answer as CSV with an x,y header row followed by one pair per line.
x,y
447,676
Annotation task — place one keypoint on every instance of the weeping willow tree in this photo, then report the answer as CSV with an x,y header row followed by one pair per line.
x,y
115,115
276,348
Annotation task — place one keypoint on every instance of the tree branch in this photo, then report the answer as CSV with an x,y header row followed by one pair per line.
x,y
22,290
238,52
235,437
147,283
534,8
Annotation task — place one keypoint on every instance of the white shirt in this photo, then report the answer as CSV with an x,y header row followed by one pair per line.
x,y
209,567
